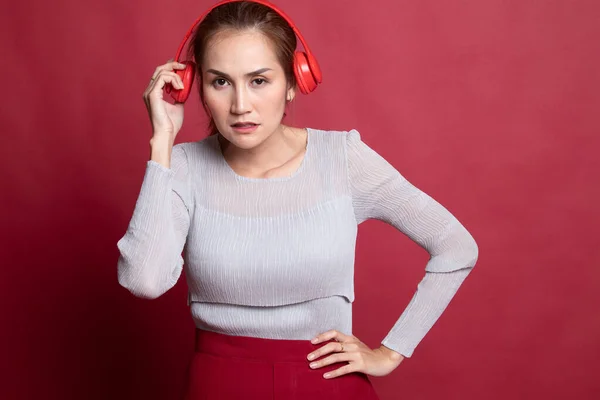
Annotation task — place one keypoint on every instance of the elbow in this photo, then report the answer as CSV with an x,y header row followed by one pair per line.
x,y
137,285
472,252
467,252
134,272
143,291
462,254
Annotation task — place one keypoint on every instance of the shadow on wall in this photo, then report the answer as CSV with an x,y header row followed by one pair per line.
x,y
79,334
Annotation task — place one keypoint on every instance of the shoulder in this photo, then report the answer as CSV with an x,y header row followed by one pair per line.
x,y
197,145
343,143
334,132
350,145
196,151
331,136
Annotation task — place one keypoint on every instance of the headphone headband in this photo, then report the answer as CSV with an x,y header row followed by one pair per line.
x,y
263,2
306,69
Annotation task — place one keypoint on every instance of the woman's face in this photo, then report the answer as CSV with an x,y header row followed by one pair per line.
x,y
243,82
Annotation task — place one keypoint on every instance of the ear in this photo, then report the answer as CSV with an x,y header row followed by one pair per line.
x,y
291,93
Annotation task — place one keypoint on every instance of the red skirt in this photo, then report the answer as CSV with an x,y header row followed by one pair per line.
x,y
226,367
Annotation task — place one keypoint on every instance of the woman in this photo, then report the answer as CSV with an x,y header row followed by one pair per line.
x,y
267,216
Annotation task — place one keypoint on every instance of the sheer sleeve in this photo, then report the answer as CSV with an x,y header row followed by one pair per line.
x,y
150,260
380,192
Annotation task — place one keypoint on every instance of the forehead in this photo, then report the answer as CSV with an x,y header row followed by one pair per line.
x,y
235,51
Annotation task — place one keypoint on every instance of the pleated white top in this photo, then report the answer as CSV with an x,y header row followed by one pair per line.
x,y
274,257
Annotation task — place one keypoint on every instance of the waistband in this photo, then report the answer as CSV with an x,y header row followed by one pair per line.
x,y
262,349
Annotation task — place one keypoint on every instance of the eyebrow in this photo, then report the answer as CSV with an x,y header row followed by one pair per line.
x,y
257,72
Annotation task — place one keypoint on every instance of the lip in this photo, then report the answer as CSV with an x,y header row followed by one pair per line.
x,y
245,129
244,122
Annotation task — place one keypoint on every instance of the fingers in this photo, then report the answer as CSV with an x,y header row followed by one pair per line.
x,y
169,66
331,347
345,348
155,88
165,72
334,358
351,360
332,334
164,77
346,369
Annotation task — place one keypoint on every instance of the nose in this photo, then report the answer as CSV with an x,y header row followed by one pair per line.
x,y
241,101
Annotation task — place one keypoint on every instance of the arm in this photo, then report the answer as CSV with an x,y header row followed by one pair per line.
x,y
150,260
379,191
433,295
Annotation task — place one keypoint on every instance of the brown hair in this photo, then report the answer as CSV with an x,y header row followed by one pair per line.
x,y
240,16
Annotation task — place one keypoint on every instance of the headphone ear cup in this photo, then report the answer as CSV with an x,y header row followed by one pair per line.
x,y
187,76
315,69
304,76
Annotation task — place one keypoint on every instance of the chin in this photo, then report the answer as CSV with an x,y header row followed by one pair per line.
x,y
245,141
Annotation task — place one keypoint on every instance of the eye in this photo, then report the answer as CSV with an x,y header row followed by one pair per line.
x,y
219,82
260,81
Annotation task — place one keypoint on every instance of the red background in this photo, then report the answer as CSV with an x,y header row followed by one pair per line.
x,y
490,107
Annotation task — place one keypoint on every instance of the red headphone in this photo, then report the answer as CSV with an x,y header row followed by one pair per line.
x,y
306,69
